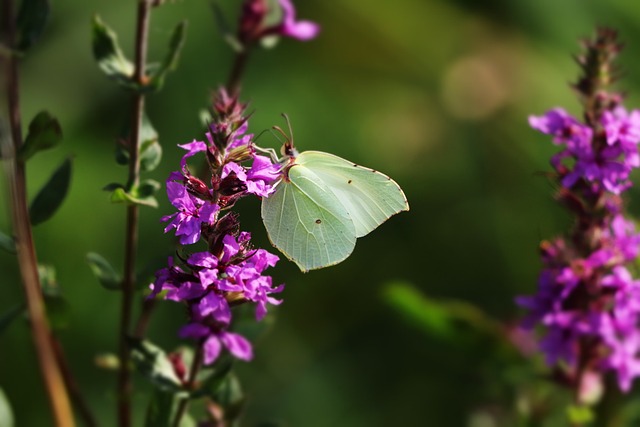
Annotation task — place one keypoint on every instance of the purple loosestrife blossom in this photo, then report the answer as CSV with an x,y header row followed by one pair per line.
x,y
588,301
230,271
253,27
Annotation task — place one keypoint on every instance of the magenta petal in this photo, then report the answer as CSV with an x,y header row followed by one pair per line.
x,y
237,345
212,349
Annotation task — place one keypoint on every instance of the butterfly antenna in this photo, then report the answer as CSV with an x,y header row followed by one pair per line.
x,y
288,149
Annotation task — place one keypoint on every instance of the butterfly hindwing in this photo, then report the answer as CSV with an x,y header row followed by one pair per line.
x,y
370,197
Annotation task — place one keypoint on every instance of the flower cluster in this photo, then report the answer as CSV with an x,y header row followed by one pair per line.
x,y
587,300
606,167
230,271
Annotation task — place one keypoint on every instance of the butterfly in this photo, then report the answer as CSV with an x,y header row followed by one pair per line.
x,y
323,203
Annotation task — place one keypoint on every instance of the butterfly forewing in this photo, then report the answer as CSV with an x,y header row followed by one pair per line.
x,y
307,221
370,197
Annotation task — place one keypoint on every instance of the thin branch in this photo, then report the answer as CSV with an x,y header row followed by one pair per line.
x,y
131,244
27,260
237,72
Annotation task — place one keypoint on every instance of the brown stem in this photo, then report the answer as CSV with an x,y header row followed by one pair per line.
x,y
191,381
125,386
237,71
145,316
27,260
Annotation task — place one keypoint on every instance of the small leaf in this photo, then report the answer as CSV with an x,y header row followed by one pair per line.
x,y
162,410
148,187
7,243
152,362
230,396
109,56
170,61
140,195
32,18
9,316
6,415
44,133
51,195
579,415
104,272
150,155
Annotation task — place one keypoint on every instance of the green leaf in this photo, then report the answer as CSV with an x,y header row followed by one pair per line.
x,y
51,195
162,410
140,195
32,18
6,415
104,272
9,316
150,155
109,55
44,133
445,319
170,62
230,396
580,415
7,243
152,362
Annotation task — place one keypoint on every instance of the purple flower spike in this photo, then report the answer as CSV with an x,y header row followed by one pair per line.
x,y
229,272
587,301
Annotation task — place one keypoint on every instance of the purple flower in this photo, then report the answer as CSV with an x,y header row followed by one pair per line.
x,y
301,30
192,213
607,168
215,340
192,148
258,179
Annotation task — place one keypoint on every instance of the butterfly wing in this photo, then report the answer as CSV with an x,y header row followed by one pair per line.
x,y
307,222
369,197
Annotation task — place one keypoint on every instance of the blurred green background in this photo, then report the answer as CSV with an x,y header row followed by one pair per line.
x,y
434,93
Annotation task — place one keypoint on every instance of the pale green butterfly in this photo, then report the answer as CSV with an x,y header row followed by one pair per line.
x,y
323,203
